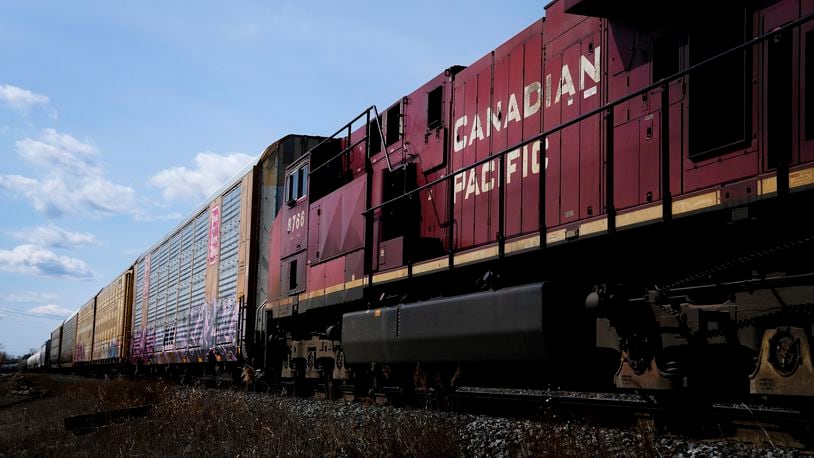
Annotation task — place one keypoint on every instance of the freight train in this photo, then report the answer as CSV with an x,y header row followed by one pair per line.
x,y
614,198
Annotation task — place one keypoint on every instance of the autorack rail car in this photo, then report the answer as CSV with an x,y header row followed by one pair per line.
x,y
613,197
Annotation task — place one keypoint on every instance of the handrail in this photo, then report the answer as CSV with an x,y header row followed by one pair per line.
x,y
608,106
381,138
363,139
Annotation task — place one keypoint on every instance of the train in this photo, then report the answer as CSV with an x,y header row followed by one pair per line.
x,y
614,198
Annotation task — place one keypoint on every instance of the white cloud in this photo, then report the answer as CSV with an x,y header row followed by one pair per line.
x,y
22,100
144,216
29,296
34,260
210,171
51,309
69,180
57,150
56,237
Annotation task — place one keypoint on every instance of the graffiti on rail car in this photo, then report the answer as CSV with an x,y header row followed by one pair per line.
x,y
209,331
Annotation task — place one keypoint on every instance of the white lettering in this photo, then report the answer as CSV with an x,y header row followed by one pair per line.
x,y
511,165
471,185
529,108
590,69
525,161
495,117
514,112
459,186
487,185
477,132
460,140
547,91
482,179
535,158
566,84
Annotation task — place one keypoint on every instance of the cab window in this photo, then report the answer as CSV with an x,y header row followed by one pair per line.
x,y
297,184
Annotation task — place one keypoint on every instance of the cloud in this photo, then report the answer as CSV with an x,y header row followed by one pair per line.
x,y
147,217
51,309
22,100
29,296
210,171
34,260
54,236
59,151
69,180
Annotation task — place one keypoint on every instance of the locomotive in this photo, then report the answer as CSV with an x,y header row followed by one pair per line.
x,y
611,199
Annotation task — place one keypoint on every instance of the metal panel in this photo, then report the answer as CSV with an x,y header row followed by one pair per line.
x,y
138,295
151,289
531,157
83,351
295,227
570,137
45,350
458,137
184,285
590,160
626,164
650,158
68,341
172,290
226,306
513,125
56,341
110,319
159,291
494,325
552,118
471,184
485,227
806,97
137,344
268,189
199,263
423,139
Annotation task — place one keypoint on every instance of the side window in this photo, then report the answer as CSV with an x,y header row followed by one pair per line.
x,y
297,184
375,139
292,275
291,188
393,133
435,106
302,181
719,92
809,84
667,49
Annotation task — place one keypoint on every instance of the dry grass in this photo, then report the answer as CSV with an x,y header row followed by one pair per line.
x,y
197,421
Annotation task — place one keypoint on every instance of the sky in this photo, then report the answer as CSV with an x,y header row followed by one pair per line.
x,y
117,119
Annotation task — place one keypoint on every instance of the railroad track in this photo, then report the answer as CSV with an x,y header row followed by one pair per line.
x,y
790,426
669,414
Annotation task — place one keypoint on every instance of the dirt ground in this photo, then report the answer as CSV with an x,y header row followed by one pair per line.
x,y
33,408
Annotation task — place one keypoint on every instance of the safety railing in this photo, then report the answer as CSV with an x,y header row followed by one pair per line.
x,y
347,129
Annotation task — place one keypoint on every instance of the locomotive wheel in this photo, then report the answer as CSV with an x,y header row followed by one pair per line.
x,y
785,353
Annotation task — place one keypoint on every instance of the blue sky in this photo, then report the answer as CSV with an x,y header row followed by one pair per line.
x,y
118,118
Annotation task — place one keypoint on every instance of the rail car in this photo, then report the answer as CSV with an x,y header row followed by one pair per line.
x,y
611,198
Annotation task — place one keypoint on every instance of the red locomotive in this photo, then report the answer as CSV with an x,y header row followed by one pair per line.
x,y
609,197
